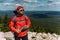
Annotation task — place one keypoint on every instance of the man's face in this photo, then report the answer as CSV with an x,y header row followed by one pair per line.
x,y
21,11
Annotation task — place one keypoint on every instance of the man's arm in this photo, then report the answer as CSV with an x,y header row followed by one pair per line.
x,y
11,25
28,22
27,26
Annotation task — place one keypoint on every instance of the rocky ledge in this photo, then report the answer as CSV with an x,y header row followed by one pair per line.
x,y
31,36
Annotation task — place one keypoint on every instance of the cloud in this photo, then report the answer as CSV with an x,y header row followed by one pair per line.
x,y
2,1
8,6
30,0
30,4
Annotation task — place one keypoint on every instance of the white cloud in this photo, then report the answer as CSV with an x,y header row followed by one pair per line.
x,y
31,4
25,4
30,0
8,6
18,4
57,3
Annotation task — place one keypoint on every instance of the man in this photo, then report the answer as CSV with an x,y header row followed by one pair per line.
x,y
19,24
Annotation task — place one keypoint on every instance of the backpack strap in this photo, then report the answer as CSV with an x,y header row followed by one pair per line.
x,y
19,20
24,17
14,18
14,21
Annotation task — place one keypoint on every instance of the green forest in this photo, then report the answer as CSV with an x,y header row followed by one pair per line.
x,y
37,25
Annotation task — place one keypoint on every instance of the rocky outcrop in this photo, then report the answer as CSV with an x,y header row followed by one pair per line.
x,y
31,36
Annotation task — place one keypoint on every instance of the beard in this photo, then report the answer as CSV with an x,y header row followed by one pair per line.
x,y
19,14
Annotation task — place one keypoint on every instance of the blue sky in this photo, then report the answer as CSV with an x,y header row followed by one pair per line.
x,y
29,5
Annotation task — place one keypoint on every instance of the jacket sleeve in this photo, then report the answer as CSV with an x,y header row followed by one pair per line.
x,y
27,26
28,22
11,25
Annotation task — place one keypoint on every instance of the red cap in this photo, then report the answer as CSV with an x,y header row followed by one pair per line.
x,y
19,7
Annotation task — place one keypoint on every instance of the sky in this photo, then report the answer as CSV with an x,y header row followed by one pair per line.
x,y
31,5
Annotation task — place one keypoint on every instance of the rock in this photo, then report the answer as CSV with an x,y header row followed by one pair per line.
x,y
31,36
9,38
1,34
59,37
38,36
49,36
8,34
2,38
34,34
44,35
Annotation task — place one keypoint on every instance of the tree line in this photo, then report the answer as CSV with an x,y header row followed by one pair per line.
x,y
36,26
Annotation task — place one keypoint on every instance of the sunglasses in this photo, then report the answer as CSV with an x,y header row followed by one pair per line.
x,y
22,10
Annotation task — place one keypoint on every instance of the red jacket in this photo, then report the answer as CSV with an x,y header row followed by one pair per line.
x,y
19,25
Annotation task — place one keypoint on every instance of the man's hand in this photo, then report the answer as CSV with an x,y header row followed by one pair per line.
x,y
18,31
24,27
